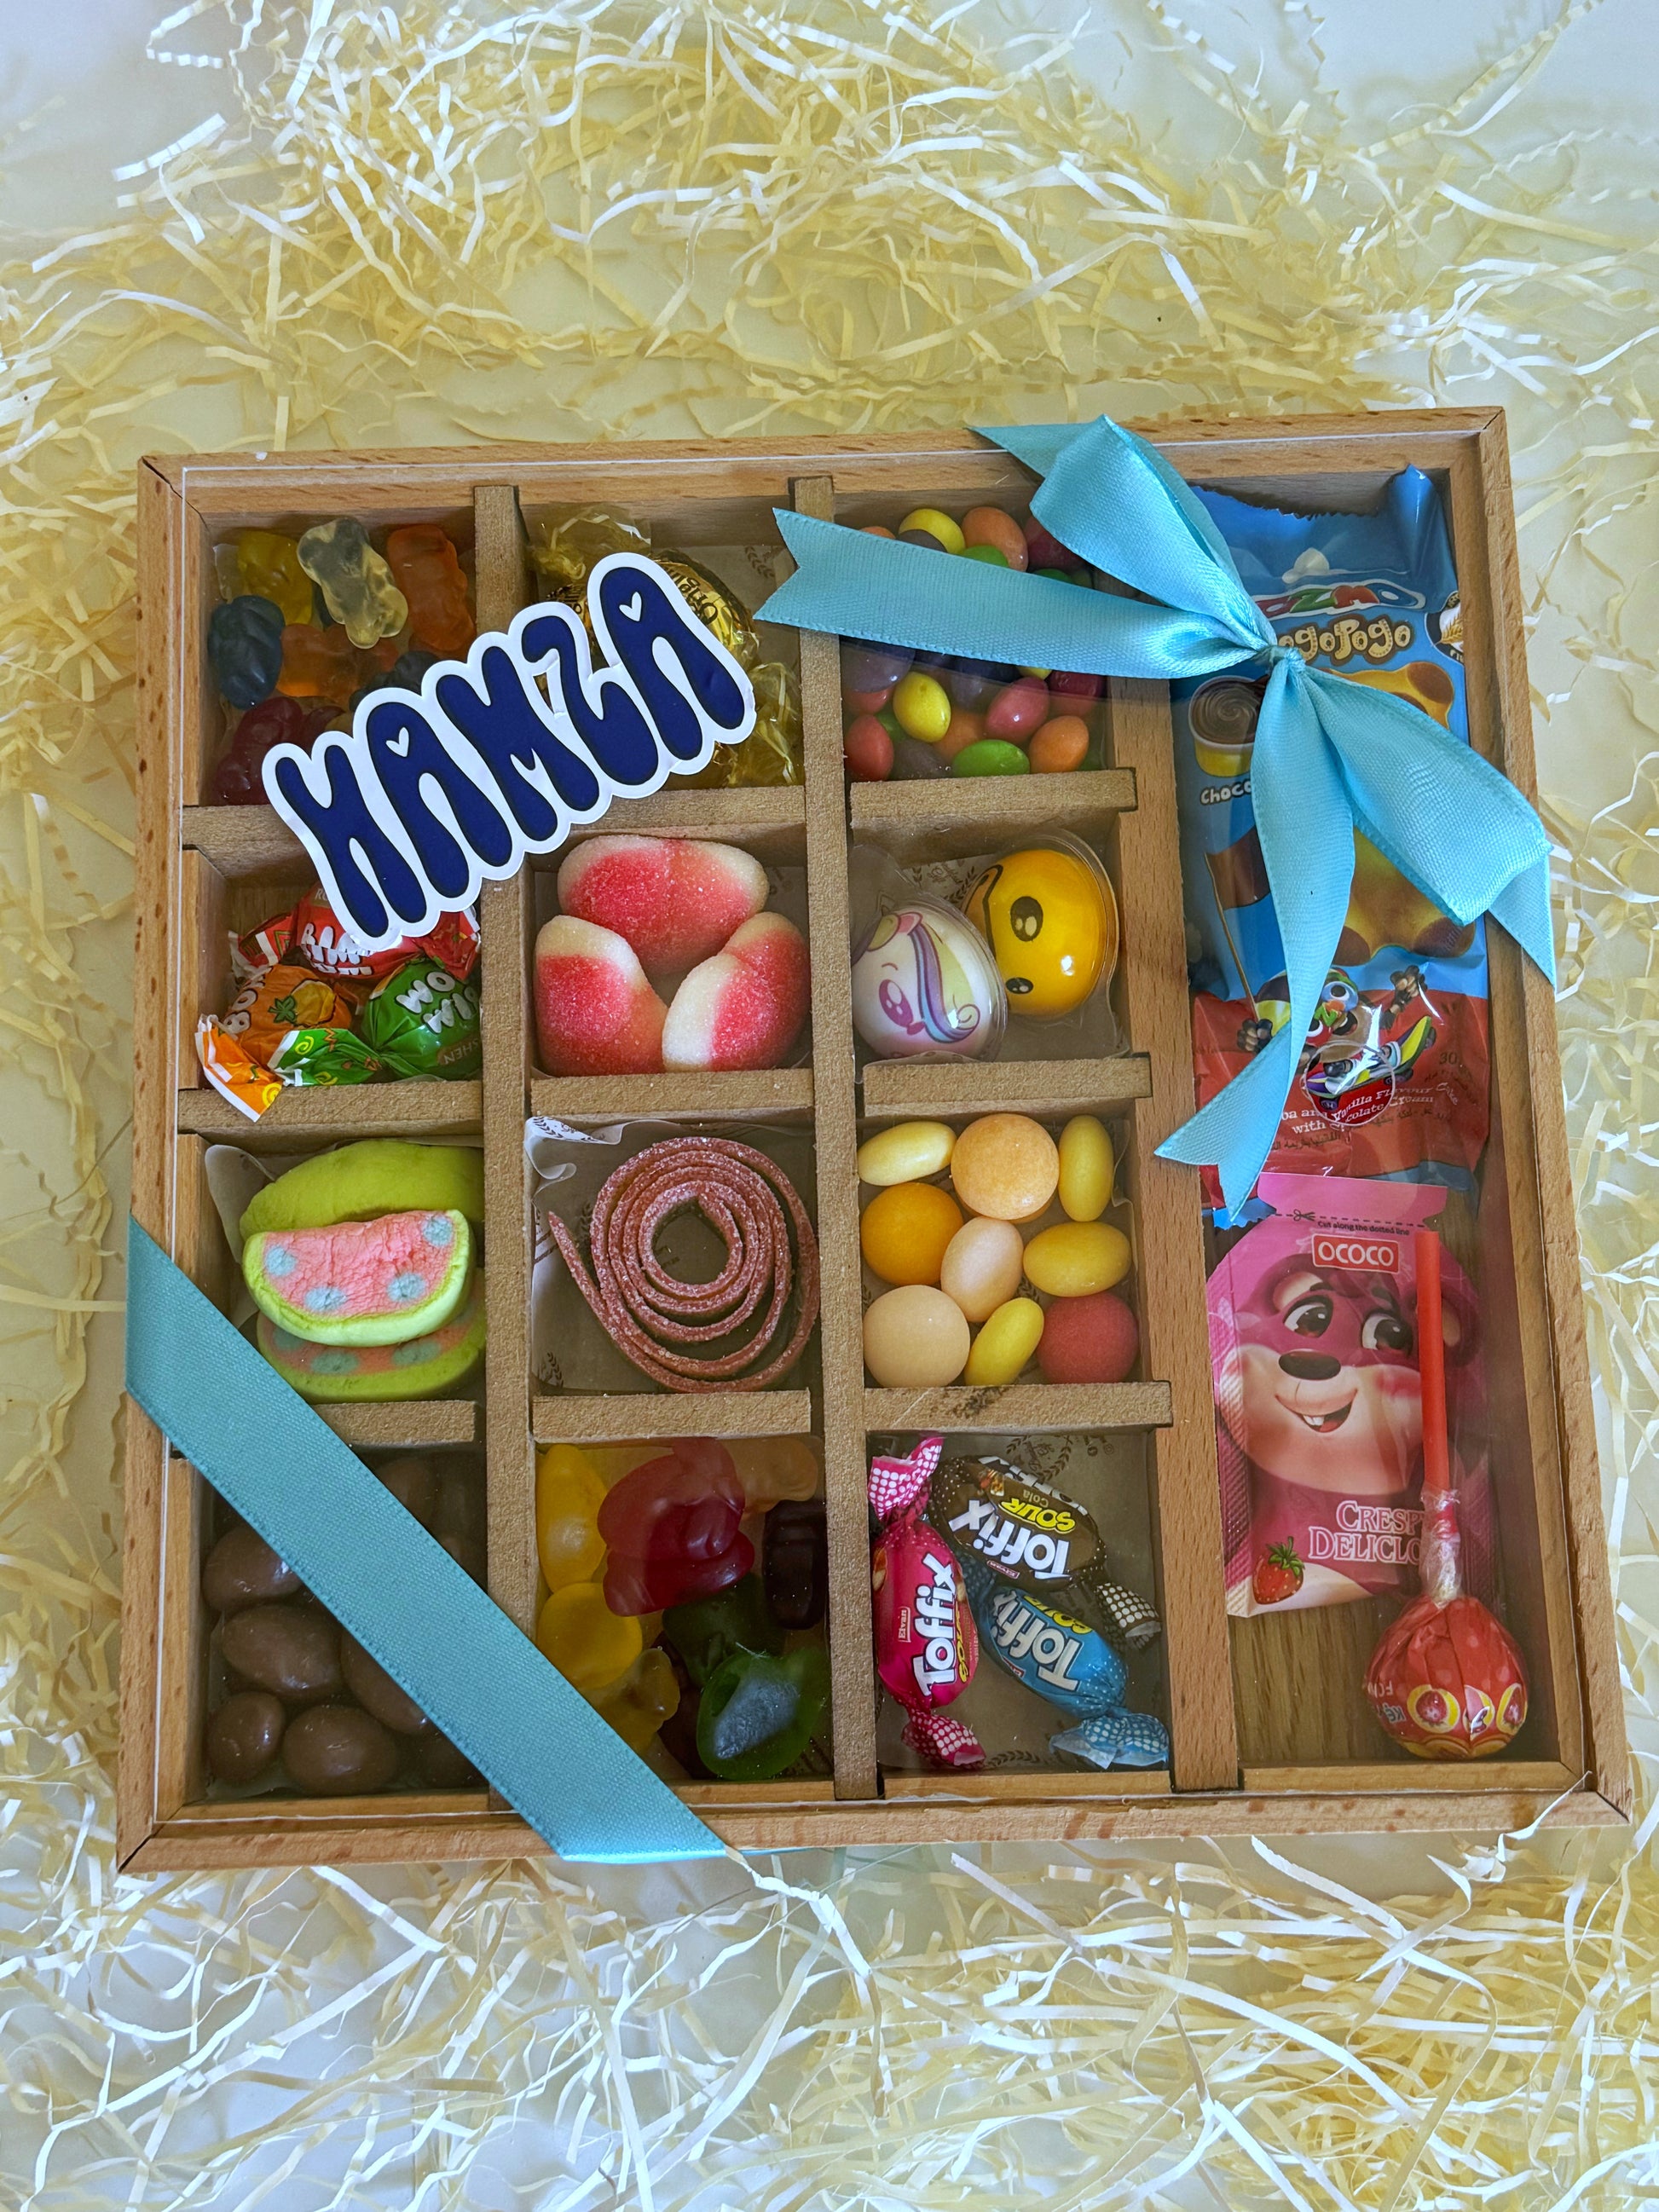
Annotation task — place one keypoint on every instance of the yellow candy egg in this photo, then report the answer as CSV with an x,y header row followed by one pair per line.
x,y
982,1266
1005,1344
589,1645
904,1230
569,1492
1086,1168
1077,1259
921,707
1050,920
937,524
916,1338
907,1152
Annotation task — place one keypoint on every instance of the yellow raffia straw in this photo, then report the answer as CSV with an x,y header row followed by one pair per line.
x,y
433,222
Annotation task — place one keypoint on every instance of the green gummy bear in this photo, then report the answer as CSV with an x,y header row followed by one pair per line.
x,y
707,1632
758,1713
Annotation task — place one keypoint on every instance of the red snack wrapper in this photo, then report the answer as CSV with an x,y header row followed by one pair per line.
x,y
314,937
926,1646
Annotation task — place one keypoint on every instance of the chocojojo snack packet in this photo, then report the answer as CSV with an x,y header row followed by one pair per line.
x,y
1031,1534
1070,1664
1392,1074
926,1646
300,1012
1319,1405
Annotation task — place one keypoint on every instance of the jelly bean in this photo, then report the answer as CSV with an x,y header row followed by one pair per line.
x,y
875,530
867,750
1061,746
797,1564
244,644
975,683
982,1264
921,707
994,527
317,664
915,763
706,1632
1056,575
925,538
1075,683
774,1468
245,1735
1004,1346
336,1751
866,667
1044,550
907,1152
1077,1259
1092,1339
867,703
569,1492
356,584
989,555
757,1714
915,1338
1017,710
1006,1165
591,1646
904,1230
638,1704
268,565
427,573
966,729
991,756
1087,1168
937,524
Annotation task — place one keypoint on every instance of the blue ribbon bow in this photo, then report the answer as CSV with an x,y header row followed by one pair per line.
x,y
1329,755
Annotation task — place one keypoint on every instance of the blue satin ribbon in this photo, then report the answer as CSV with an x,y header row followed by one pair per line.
x,y
394,1587
1329,755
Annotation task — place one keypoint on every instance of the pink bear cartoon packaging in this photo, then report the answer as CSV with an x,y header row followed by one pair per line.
x,y
1319,1418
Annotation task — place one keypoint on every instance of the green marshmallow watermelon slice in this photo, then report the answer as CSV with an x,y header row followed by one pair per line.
x,y
358,1375
361,1282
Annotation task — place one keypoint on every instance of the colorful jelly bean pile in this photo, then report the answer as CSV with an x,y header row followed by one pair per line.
x,y
308,626
915,715
957,1258
654,1608
302,1703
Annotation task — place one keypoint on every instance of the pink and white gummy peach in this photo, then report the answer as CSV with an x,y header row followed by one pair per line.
x,y
674,899
745,1007
596,1012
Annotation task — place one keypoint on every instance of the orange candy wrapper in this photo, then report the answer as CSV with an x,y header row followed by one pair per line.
x,y
1446,1679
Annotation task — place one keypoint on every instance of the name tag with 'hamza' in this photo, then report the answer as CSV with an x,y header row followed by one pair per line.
x,y
431,794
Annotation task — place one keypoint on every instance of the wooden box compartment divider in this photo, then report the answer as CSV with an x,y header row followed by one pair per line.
x,y
1269,1730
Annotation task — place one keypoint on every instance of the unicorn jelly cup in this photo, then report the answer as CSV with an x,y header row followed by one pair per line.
x,y
925,986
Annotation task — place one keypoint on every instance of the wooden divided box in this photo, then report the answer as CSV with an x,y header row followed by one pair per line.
x,y
1268,1725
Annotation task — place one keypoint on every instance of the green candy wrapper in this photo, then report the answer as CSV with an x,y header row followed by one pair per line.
x,y
421,1021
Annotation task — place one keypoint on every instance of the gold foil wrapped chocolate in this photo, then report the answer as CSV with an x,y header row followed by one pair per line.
x,y
566,546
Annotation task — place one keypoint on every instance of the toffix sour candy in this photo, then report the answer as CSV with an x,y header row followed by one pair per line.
x,y
1035,1536
926,1647
1319,1413
1392,1077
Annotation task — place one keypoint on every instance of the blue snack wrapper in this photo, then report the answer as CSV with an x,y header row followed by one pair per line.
x,y
1071,1665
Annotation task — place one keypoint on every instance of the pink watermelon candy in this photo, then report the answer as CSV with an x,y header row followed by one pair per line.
x,y
361,1282
674,899
744,1007
350,1374
596,1012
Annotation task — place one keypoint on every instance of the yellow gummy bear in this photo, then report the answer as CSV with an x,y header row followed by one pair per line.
x,y
646,1697
268,565
591,1646
354,580
569,1492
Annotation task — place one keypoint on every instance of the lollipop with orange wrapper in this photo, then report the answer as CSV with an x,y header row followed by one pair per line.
x,y
1446,1680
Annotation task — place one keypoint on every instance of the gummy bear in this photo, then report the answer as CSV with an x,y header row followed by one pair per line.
x,y
275,722
797,1562
244,644
774,1468
679,1730
637,1706
354,580
569,1492
405,672
591,1646
673,1529
317,664
757,1713
429,576
268,562
708,1630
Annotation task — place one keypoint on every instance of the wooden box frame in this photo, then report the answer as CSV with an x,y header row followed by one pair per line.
x,y
200,868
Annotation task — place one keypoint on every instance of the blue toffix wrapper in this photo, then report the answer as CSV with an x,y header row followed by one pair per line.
x,y
1072,1665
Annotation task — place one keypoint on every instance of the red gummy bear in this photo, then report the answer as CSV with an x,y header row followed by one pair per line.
x,y
672,1529
237,779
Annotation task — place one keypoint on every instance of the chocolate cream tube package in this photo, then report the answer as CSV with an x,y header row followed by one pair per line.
x,y
1392,1078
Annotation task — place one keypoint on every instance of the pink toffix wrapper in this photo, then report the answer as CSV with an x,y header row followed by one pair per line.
x,y
926,1646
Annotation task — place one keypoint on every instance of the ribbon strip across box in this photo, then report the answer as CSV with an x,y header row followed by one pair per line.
x,y
1269,1730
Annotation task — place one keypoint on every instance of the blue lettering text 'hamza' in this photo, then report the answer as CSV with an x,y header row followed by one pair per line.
x,y
432,793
